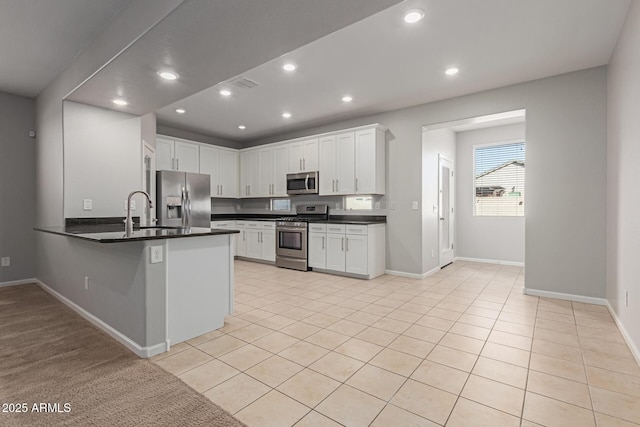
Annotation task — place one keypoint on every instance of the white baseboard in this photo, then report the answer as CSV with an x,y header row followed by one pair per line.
x,y
632,346
412,275
18,282
491,261
144,352
560,295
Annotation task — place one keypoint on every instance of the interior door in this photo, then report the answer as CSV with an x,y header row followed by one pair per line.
x,y
446,211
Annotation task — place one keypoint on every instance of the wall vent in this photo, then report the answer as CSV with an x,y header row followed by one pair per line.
x,y
244,83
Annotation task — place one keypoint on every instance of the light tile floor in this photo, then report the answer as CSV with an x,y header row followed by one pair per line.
x,y
463,347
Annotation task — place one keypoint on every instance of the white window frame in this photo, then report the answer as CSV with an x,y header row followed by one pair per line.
x,y
473,177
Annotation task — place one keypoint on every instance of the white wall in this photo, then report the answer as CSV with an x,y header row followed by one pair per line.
x,y
623,178
17,187
484,237
102,160
435,143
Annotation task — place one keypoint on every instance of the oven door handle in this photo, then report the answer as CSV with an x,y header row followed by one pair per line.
x,y
306,182
294,229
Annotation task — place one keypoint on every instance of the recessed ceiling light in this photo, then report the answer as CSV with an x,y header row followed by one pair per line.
x,y
289,67
413,16
347,98
286,115
180,110
242,127
168,75
120,102
225,92
451,71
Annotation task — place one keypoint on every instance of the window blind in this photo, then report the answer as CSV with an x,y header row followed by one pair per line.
x,y
499,179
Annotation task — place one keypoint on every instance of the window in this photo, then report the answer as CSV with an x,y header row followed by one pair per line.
x,y
358,203
280,204
499,179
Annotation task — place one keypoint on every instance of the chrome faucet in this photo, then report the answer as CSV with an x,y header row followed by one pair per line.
x,y
128,222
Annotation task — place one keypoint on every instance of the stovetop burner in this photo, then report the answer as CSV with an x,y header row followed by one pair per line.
x,y
313,213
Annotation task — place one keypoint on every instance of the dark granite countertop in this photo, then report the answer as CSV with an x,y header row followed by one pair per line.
x,y
114,233
333,219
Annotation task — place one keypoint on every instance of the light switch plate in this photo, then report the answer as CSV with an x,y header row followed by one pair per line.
x,y
414,205
133,205
156,254
6,261
87,204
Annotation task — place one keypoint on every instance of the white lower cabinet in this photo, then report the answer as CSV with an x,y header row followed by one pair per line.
x,y
257,240
354,249
317,246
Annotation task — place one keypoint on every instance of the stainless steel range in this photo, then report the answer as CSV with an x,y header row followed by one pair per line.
x,y
291,236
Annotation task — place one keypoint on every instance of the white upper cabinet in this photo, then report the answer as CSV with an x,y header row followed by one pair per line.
x,y
177,155
370,161
222,167
303,155
353,162
187,157
273,164
249,174
337,166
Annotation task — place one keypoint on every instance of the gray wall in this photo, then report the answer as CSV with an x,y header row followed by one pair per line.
x,y
194,136
482,237
623,191
17,187
102,160
566,154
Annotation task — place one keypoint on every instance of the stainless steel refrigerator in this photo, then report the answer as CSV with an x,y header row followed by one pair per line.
x,y
183,199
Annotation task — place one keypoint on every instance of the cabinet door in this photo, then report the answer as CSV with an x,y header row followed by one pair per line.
x,y
335,252
187,156
241,243
295,157
280,169
345,163
164,154
254,247
228,177
317,250
248,173
327,166
209,164
265,172
365,162
310,155
356,254
268,242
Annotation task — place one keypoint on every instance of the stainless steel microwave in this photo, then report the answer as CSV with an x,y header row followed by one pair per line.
x,y
302,183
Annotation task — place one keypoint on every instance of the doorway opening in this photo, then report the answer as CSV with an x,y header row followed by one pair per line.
x,y
453,185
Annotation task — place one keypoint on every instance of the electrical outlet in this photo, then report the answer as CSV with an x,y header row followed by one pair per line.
x,y
392,206
133,205
414,205
86,283
87,204
377,205
156,254
6,261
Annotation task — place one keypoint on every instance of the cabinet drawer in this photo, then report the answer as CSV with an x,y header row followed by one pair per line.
x,y
335,228
318,228
241,224
357,229
268,225
253,224
222,224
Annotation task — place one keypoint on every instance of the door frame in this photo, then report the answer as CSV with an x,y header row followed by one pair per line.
x,y
449,257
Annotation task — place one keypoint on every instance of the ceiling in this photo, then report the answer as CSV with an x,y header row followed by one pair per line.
x,y
385,64
361,48
40,38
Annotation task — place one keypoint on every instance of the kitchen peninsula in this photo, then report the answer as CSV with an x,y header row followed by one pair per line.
x,y
149,289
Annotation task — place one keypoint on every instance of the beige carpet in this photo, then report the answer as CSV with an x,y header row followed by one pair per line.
x,y
49,354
